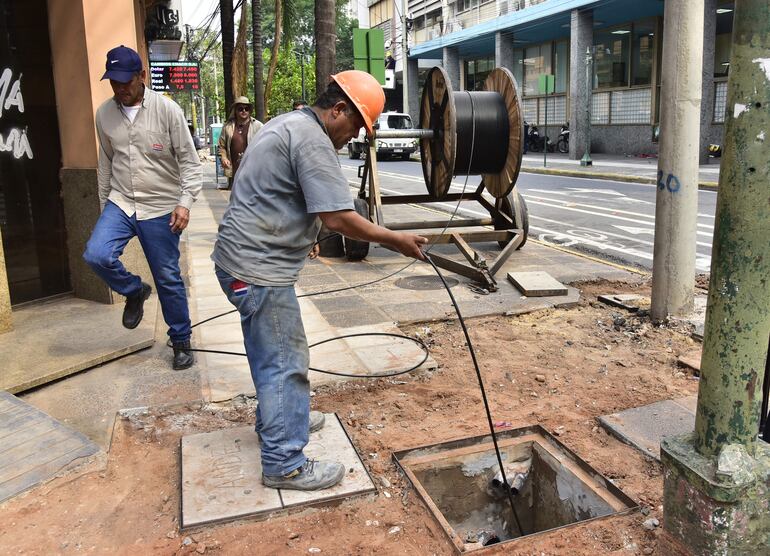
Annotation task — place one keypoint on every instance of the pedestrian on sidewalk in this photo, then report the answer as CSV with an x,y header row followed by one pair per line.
x,y
272,221
236,135
149,175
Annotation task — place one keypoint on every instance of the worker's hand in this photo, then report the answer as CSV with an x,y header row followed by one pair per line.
x,y
226,164
410,245
179,219
314,251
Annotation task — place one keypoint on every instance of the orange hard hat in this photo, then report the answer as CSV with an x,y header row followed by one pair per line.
x,y
365,92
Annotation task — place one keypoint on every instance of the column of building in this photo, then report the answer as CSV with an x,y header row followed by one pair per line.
x,y
451,63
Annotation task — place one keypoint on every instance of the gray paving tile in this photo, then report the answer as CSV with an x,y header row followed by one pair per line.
x,y
644,427
221,475
36,447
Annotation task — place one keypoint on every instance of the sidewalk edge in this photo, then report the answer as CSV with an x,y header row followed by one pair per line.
x,y
707,185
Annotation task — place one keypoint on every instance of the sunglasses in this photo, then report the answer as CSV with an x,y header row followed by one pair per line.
x,y
244,109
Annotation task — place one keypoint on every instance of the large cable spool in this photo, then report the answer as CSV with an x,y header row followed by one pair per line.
x,y
474,133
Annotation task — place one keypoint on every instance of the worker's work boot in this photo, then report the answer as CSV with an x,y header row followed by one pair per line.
x,y
183,356
313,475
317,420
134,309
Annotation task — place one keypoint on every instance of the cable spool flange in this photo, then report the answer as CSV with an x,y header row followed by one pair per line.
x,y
437,113
472,133
499,184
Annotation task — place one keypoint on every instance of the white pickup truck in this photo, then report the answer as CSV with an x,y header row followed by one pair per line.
x,y
401,148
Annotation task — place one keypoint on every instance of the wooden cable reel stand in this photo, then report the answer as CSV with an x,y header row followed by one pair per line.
x,y
461,133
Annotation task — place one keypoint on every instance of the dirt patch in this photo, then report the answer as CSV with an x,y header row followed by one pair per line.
x,y
558,368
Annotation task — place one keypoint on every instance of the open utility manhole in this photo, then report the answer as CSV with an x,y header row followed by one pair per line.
x,y
424,283
553,488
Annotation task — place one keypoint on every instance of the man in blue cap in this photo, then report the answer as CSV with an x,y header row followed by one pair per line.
x,y
149,175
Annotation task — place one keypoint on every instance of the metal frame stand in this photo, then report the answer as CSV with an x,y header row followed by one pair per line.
x,y
477,268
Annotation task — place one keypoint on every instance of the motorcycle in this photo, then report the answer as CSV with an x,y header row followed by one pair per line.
x,y
536,142
562,143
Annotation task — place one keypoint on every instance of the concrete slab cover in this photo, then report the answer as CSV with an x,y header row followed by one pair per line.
x,y
62,337
36,447
644,427
537,284
221,475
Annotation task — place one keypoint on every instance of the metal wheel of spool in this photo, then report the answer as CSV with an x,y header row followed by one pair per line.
x,y
501,81
514,207
437,113
331,244
356,250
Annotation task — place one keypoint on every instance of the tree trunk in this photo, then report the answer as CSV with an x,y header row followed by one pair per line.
x,y
241,56
228,32
325,43
275,51
256,47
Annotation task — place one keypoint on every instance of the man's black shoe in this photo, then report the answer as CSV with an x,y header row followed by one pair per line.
x,y
183,356
134,309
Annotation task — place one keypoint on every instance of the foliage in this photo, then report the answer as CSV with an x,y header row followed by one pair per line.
x,y
287,84
297,39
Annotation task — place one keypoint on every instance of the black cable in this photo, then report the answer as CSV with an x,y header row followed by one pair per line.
x,y
425,350
472,351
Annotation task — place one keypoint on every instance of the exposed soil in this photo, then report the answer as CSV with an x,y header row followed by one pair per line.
x,y
558,368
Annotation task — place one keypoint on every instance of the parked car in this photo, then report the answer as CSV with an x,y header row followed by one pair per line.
x,y
401,148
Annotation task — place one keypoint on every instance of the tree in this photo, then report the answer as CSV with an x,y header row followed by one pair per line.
x,y
228,31
241,56
259,67
275,50
325,41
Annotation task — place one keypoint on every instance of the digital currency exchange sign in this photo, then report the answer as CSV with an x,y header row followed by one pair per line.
x,y
175,76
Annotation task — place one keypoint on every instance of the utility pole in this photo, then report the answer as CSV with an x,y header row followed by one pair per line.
x,y
193,114
676,205
404,63
586,160
216,94
717,480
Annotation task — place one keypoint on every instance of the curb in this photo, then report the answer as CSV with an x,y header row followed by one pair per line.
x,y
707,185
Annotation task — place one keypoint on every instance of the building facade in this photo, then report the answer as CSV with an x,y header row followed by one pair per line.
x,y
534,37
52,54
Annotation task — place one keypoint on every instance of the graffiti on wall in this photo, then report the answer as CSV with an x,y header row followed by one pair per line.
x,y
14,140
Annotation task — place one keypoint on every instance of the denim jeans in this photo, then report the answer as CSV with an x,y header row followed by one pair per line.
x,y
278,356
112,232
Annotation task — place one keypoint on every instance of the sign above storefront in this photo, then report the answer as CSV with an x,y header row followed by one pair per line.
x,y
175,76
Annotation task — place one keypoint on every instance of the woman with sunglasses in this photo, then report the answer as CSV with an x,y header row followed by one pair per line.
x,y
236,135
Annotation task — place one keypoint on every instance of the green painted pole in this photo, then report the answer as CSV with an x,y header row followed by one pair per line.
x,y
738,313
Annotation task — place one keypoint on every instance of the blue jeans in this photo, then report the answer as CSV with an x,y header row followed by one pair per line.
x,y
112,232
278,356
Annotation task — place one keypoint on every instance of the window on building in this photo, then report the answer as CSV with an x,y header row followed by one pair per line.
x,y
723,40
642,53
379,12
476,72
518,68
611,49
560,66
463,5
537,61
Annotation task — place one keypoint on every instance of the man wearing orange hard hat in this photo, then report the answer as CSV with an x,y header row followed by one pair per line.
x,y
289,181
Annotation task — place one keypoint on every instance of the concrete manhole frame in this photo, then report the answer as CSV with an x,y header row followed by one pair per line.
x,y
528,433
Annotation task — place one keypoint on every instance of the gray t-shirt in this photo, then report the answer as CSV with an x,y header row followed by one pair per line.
x,y
289,172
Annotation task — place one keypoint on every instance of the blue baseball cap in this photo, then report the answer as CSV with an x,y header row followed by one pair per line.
x,y
122,63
